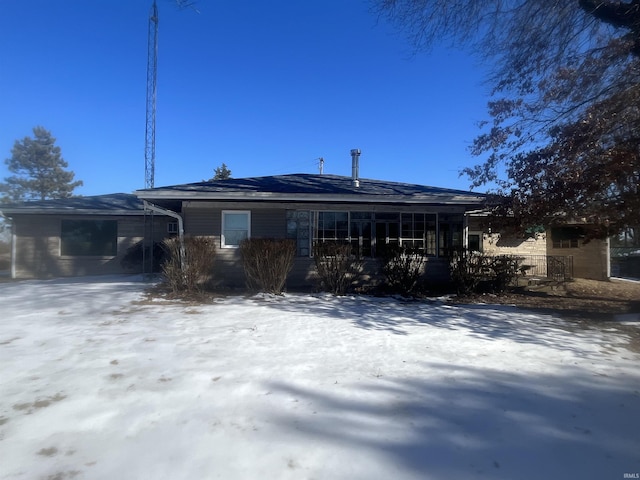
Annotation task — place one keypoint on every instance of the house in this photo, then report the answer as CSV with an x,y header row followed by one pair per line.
x,y
318,208
92,235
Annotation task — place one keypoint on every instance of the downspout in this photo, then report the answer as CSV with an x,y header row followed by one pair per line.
x,y
13,249
465,231
154,208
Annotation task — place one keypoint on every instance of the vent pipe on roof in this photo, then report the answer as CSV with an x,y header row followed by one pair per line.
x,y
355,166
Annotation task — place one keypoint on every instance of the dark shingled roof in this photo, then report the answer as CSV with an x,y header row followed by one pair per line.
x,y
310,186
112,204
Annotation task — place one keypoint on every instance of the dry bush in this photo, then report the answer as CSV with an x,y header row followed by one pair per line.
x,y
336,265
470,271
402,268
200,253
267,262
505,270
467,270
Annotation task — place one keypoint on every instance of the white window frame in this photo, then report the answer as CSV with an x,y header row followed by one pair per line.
x,y
234,212
172,228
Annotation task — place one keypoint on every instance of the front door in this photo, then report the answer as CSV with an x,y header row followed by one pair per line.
x,y
361,237
387,233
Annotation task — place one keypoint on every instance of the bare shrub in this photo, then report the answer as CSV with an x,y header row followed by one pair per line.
x,y
200,253
472,270
402,268
267,262
336,265
468,269
505,269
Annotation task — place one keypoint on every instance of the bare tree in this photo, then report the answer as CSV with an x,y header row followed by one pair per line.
x,y
565,99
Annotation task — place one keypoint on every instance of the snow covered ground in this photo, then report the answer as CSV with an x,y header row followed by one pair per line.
x,y
98,383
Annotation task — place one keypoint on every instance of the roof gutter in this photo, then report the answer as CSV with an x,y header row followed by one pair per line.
x,y
441,198
170,213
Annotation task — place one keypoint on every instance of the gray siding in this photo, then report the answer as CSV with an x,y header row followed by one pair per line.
x,y
206,220
203,222
38,245
269,223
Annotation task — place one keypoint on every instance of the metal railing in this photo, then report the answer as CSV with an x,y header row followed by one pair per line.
x,y
556,267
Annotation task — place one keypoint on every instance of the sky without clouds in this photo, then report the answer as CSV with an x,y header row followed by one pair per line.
x,y
265,87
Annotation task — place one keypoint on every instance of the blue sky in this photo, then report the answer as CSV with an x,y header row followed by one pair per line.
x,y
265,87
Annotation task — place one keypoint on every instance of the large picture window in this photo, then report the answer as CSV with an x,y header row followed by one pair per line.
x,y
89,237
370,232
236,227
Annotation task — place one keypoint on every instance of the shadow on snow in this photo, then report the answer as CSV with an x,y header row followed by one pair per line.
x,y
474,421
487,322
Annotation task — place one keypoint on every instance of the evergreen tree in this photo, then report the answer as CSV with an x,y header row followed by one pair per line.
x,y
39,170
221,173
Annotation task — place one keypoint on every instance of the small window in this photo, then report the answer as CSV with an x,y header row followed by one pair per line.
x,y
236,226
89,238
172,228
566,237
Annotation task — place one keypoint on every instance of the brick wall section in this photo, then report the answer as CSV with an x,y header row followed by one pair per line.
x,y
590,260
496,244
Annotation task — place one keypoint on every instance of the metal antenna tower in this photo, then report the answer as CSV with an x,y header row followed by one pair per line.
x,y
150,136
152,74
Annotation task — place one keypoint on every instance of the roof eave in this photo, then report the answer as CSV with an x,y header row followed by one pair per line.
x,y
67,211
446,199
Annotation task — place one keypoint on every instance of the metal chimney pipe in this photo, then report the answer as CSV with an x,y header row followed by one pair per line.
x,y
355,166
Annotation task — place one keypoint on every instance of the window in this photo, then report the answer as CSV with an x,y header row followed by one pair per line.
x,y
450,230
419,231
236,226
298,230
475,242
89,237
370,232
331,226
172,228
566,237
